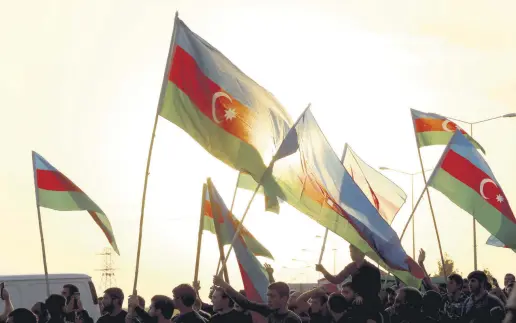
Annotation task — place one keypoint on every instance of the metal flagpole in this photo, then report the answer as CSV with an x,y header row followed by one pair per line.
x,y
474,220
160,103
199,236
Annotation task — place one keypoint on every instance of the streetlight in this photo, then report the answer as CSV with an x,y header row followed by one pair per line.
x,y
412,198
508,115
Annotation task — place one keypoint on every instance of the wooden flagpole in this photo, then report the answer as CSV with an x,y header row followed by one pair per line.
x,y
40,225
326,231
160,103
231,212
199,236
218,234
429,200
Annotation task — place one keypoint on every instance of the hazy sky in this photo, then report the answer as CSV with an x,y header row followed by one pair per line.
x,y
80,82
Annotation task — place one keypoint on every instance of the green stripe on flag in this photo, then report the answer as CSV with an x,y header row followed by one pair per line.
x,y
473,203
66,201
180,110
431,138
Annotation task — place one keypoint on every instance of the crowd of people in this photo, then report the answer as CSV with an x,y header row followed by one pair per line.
x,y
361,299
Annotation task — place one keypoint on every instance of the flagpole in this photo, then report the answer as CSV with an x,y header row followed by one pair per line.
x,y
199,236
216,223
231,212
429,200
326,231
40,225
268,169
474,220
240,226
160,103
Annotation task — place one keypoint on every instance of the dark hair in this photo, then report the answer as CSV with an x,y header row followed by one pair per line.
x,y
224,295
186,294
141,302
431,302
23,315
164,304
457,279
55,304
337,303
390,291
478,275
413,298
280,287
323,297
71,288
115,293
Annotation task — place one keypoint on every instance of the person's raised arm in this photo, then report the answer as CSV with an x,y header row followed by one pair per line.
x,y
136,310
340,277
270,272
302,300
426,280
240,299
8,305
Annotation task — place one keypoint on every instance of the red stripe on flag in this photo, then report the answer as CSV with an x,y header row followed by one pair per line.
x,y
55,181
252,293
469,174
101,225
212,100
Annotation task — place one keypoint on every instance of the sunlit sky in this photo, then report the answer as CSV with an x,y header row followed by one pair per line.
x,y
80,82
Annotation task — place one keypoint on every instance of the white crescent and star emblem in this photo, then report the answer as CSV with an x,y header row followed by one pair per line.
x,y
445,126
499,197
229,113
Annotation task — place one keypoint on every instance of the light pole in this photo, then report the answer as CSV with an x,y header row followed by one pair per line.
x,y
508,115
334,258
412,199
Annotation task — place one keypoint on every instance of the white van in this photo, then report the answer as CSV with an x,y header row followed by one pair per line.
x,y
27,290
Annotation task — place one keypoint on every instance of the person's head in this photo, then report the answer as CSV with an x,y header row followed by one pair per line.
x,y
184,297
391,295
55,305
509,278
21,315
347,291
318,301
432,303
408,302
141,302
113,300
68,291
278,294
40,310
356,254
337,303
161,307
454,283
477,281
221,300
236,306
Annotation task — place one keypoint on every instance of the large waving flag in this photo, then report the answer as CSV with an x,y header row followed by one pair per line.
x,y
254,275
464,177
247,182
493,241
226,235
313,180
433,129
55,191
387,197
225,111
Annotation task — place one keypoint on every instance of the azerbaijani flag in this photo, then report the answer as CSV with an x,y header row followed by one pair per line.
x,y
464,177
387,197
313,180
433,129
225,111
493,241
55,191
247,182
226,236
254,275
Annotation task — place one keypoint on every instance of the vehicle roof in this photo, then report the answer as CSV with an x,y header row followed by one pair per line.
x,y
42,276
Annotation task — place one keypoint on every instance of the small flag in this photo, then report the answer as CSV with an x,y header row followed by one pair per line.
x,y
433,129
254,275
465,178
55,191
226,235
387,197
